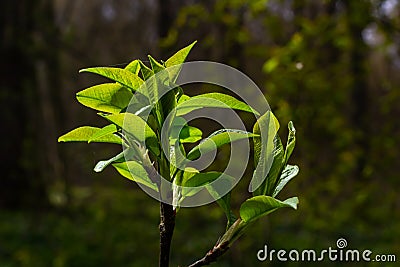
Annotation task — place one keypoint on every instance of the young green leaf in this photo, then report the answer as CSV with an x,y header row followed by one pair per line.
x,y
265,129
288,174
122,76
106,97
85,133
101,165
259,206
268,185
202,178
225,204
291,142
174,62
137,128
146,71
134,171
224,201
185,133
213,100
216,140
134,67
106,130
155,65
183,98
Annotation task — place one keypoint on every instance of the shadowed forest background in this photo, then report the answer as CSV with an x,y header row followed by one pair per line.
x,y
333,67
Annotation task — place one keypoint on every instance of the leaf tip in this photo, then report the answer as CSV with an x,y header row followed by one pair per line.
x,y
291,127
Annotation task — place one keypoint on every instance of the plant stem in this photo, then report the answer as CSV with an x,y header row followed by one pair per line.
x,y
218,250
167,224
223,244
167,214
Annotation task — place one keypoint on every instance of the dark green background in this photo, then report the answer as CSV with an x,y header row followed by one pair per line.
x,y
330,66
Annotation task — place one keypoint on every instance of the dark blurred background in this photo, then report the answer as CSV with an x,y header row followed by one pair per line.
x,y
333,67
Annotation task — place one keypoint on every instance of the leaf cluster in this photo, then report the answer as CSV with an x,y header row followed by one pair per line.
x,y
142,101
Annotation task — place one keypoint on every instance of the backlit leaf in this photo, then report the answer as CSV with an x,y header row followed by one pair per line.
x,y
84,134
137,128
106,97
135,171
213,100
174,62
259,206
122,76
216,140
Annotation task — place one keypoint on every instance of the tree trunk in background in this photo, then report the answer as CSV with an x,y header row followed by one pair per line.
x,y
29,71
359,99
20,184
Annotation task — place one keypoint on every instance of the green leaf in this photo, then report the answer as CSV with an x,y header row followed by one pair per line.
x,y
259,206
214,100
174,62
268,185
101,165
265,129
106,97
291,142
156,66
181,176
135,171
183,98
288,174
106,130
202,178
185,133
224,201
216,140
190,134
146,71
225,204
122,76
84,134
137,128
134,67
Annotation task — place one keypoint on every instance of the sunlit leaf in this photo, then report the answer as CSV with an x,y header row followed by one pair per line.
x,y
134,67
288,174
260,206
268,185
106,130
146,71
106,97
266,128
214,100
122,76
185,133
174,62
85,133
135,171
137,128
155,65
216,140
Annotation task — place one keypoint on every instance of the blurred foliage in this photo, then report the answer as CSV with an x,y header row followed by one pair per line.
x,y
330,66
323,63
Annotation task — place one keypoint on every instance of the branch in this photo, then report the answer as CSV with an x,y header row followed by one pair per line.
x,y
167,226
218,250
223,244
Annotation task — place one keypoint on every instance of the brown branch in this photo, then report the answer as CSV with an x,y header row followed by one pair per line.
x,y
223,244
218,250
